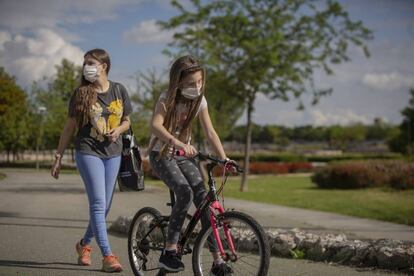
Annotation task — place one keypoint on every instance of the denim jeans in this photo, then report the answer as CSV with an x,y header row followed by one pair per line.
x,y
99,176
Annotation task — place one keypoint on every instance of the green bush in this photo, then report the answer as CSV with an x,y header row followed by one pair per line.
x,y
269,157
355,156
403,178
365,174
292,157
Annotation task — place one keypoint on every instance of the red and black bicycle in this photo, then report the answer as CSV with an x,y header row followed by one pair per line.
x,y
239,239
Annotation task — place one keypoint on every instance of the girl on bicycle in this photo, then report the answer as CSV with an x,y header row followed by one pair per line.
x,y
99,109
171,125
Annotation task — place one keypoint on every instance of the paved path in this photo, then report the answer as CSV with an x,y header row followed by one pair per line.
x,y
41,219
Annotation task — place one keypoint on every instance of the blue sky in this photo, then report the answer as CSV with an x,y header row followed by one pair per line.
x,y
36,34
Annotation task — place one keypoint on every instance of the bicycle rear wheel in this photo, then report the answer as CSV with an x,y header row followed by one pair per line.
x,y
144,244
250,243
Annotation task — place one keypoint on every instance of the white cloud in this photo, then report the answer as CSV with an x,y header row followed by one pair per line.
x,y
147,32
31,58
341,117
384,81
4,36
28,14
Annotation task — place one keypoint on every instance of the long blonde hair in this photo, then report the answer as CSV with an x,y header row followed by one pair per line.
x,y
86,94
180,69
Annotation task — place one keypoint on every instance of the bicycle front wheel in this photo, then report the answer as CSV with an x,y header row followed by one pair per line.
x,y
250,243
146,239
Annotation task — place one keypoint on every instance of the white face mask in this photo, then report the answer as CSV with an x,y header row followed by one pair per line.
x,y
90,72
191,92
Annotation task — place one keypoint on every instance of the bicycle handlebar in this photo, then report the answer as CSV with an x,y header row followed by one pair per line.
x,y
214,159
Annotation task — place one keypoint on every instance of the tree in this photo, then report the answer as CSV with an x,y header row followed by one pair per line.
x,y
269,47
342,137
55,97
404,140
222,103
149,87
14,117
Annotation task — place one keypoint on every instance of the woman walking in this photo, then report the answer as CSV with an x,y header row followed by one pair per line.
x,y
99,109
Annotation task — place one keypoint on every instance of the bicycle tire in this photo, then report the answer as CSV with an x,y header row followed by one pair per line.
x,y
246,229
143,254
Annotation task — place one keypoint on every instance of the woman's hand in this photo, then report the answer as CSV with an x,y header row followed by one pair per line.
x,y
56,167
113,134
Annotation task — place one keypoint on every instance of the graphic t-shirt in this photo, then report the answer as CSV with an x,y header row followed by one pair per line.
x,y
182,113
106,114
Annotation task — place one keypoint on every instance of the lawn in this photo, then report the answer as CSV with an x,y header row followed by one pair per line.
x,y
299,191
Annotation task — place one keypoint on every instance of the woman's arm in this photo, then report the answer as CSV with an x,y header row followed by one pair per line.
x,y
114,133
211,133
66,135
125,124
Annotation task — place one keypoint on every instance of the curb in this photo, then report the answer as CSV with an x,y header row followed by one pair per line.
x,y
295,243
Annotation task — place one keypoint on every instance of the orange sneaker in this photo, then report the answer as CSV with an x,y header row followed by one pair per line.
x,y
84,254
111,264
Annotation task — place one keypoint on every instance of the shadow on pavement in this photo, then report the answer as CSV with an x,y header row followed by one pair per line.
x,y
31,264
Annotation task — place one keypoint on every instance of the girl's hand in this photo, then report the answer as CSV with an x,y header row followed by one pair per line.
x,y
113,134
231,164
56,167
189,150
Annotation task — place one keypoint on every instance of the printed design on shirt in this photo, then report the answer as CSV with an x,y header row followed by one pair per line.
x,y
99,126
116,110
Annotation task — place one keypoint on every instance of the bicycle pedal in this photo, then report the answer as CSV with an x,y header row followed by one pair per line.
x,y
163,272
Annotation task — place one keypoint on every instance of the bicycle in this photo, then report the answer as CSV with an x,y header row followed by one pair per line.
x,y
239,238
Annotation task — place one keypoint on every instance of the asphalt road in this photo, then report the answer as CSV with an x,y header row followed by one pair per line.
x,y
41,219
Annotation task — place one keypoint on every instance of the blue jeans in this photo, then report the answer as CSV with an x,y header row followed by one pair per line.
x,y
99,176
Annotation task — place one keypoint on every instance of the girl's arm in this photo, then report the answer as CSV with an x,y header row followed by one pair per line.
x,y
158,129
211,133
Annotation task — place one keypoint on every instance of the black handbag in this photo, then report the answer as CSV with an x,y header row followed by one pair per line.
x,y
131,172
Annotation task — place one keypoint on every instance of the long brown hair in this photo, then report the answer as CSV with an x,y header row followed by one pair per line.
x,y
86,94
180,69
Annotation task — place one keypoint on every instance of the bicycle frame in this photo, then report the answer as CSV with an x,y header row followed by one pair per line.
x,y
212,203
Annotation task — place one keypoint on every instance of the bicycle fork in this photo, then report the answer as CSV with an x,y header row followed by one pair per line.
x,y
215,205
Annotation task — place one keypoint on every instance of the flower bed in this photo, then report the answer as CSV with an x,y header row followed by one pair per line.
x,y
365,174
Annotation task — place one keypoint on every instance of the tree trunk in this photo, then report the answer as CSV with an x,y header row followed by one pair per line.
x,y
247,145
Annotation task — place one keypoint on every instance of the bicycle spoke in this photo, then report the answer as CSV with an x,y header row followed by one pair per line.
x,y
144,247
249,245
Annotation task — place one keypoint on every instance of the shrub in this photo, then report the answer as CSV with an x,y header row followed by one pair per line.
x,y
365,174
403,178
273,168
355,156
269,157
300,167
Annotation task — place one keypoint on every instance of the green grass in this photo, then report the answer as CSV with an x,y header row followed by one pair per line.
x,y
2,176
299,191
375,203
